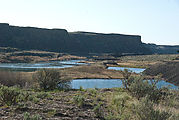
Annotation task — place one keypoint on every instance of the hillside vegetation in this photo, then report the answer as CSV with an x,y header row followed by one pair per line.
x,y
51,98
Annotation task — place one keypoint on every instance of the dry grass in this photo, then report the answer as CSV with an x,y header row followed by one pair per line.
x,y
33,56
21,79
92,71
154,58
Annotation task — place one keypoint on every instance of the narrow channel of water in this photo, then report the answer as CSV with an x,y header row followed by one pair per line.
x,y
136,70
34,66
109,83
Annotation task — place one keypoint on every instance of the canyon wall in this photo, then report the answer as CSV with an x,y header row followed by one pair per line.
x,y
59,40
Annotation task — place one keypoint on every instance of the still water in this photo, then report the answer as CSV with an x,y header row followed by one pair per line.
x,y
34,66
109,83
85,83
136,70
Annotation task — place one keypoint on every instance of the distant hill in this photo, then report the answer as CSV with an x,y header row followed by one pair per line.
x,y
80,43
163,49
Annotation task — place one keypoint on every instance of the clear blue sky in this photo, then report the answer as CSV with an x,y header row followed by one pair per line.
x,y
157,21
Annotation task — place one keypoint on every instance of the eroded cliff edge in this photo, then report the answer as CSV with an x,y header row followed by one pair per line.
x,y
59,40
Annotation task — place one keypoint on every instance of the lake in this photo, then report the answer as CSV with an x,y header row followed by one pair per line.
x,y
136,70
34,66
108,83
85,83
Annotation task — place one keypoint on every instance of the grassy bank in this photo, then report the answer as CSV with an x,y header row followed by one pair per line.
x,y
36,96
143,61
51,98
14,55
94,104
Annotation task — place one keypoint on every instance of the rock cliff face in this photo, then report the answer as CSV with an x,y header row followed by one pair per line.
x,y
163,49
59,40
106,43
33,38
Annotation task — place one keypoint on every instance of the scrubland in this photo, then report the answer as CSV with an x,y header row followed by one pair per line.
x,y
45,94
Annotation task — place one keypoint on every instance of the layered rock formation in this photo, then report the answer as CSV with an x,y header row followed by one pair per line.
x,y
106,43
33,38
163,49
59,40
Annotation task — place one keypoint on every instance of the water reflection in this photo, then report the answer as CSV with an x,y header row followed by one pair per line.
x,y
136,70
31,66
109,83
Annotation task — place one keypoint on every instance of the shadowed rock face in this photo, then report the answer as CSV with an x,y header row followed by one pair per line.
x,y
59,40
169,70
107,43
163,49
33,38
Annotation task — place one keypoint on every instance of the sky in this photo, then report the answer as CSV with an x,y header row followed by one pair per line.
x,y
157,21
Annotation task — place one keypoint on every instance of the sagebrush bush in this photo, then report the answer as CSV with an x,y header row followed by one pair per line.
x,y
24,96
42,95
27,116
92,92
118,101
81,88
141,88
98,111
120,105
9,95
145,111
126,81
79,100
50,79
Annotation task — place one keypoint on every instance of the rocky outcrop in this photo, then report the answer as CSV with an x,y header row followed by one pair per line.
x,y
59,40
163,49
169,70
33,38
87,42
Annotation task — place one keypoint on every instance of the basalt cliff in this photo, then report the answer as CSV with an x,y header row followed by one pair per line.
x,y
79,43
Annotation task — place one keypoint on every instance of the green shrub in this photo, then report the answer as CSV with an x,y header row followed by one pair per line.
x,y
174,117
141,88
170,98
27,116
145,111
93,92
8,95
113,117
34,98
98,111
81,88
126,81
119,101
124,116
27,96
24,96
50,79
42,95
79,100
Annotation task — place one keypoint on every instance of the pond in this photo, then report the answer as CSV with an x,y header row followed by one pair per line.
x,y
136,70
34,66
109,83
